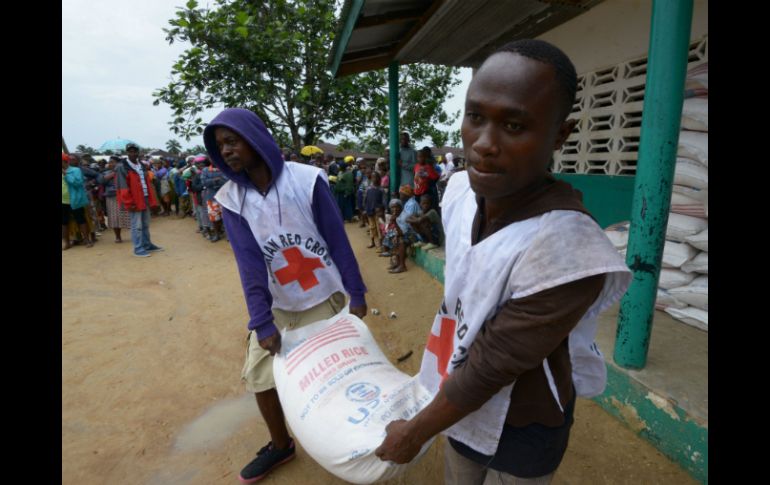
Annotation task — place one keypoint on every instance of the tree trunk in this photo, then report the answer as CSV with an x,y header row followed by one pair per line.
x,y
296,140
309,137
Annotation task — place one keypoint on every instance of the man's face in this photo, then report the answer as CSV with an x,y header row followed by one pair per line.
x,y
293,157
133,154
512,124
237,153
395,210
404,139
111,164
424,204
404,197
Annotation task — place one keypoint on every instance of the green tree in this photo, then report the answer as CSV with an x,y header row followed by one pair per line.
x,y
347,144
196,149
371,144
85,149
271,57
173,146
456,138
439,138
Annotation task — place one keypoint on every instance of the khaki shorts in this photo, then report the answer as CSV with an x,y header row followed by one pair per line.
x,y
257,371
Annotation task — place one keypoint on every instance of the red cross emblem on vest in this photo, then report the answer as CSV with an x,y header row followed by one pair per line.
x,y
299,269
441,346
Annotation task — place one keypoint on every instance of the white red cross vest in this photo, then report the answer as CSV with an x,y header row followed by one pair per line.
x,y
519,260
301,272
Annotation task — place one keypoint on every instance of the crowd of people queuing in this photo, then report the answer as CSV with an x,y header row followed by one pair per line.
x,y
395,223
124,192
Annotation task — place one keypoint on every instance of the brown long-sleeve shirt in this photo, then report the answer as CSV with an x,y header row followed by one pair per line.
x,y
512,345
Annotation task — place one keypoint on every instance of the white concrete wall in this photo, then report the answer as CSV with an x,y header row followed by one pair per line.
x,y
614,31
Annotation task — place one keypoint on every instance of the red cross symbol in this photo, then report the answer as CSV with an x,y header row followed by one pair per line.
x,y
300,269
442,345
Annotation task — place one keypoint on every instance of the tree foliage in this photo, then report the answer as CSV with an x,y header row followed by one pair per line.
x,y
196,149
271,57
173,146
85,149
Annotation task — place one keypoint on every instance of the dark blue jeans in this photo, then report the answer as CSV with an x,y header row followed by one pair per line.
x,y
140,228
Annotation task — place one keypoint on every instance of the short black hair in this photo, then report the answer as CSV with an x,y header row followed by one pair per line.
x,y
547,53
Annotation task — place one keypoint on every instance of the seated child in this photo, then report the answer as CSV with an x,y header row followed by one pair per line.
x,y
430,232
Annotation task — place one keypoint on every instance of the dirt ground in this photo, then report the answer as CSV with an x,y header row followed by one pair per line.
x,y
152,350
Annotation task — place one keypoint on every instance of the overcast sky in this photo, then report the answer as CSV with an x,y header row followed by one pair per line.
x,y
114,55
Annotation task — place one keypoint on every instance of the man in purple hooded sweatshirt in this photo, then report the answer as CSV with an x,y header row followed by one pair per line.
x,y
293,255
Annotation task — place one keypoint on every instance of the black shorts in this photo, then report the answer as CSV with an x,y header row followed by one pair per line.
x,y
527,452
67,212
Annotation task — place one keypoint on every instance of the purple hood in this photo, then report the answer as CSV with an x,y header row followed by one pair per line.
x,y
253,130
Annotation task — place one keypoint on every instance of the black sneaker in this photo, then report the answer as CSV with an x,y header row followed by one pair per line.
x,y
267,459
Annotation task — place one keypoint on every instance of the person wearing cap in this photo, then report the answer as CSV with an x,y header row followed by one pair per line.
x,y
118,218
276,214
137,197
73,201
